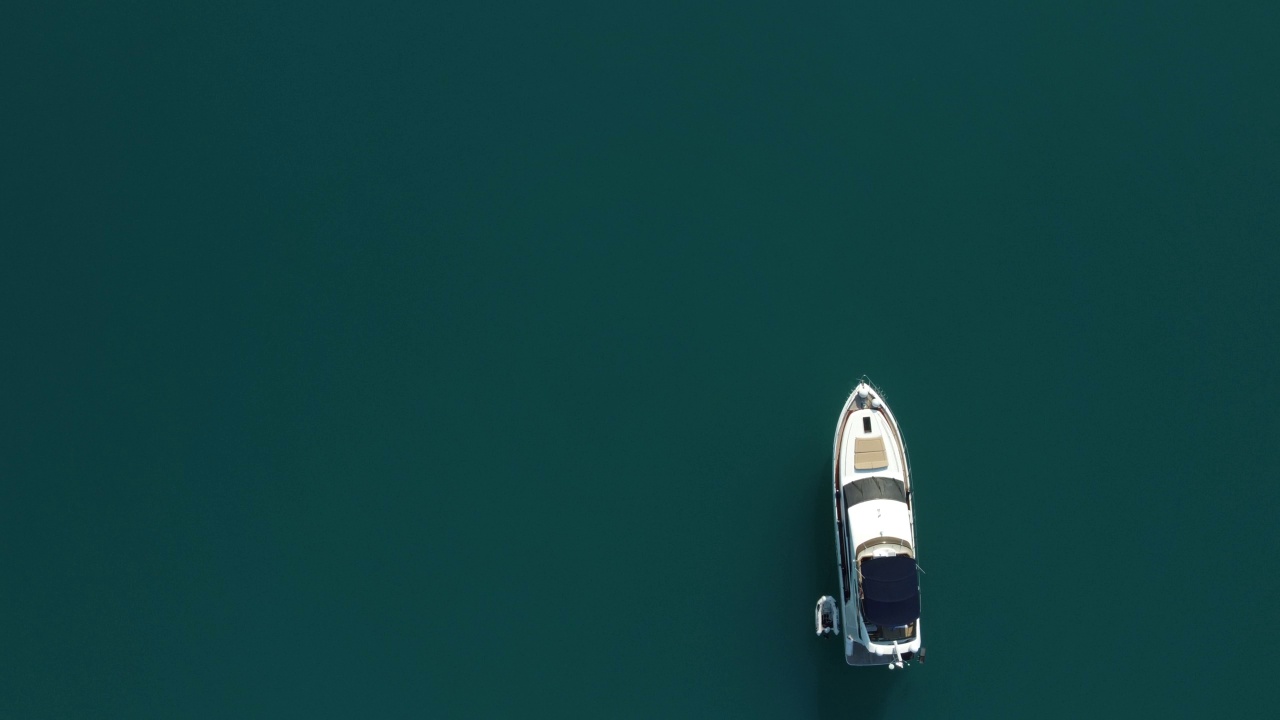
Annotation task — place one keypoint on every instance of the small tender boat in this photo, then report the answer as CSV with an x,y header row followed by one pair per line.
x,y
879,601
826,619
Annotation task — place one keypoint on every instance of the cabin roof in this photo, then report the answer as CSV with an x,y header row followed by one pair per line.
x,y
890,590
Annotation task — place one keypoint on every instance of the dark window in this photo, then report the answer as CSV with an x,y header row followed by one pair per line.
x,y
866,424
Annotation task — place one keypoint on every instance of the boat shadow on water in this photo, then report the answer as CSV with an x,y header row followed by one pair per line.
x,y
843,691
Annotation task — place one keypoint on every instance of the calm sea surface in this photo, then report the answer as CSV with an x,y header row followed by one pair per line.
x,y
478,360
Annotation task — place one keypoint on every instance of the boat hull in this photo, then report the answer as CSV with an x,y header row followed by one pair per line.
x,y
868,446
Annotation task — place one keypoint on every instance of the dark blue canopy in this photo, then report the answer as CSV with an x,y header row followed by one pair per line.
x,y
890,590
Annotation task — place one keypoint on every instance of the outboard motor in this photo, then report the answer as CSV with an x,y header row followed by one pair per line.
x,y
825,620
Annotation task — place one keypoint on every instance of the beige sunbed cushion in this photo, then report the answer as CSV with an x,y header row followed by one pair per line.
x,y
868,453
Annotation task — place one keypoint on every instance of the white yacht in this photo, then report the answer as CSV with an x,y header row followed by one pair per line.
x,y
879,601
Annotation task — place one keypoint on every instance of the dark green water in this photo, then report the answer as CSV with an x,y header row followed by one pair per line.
x,y
483,361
